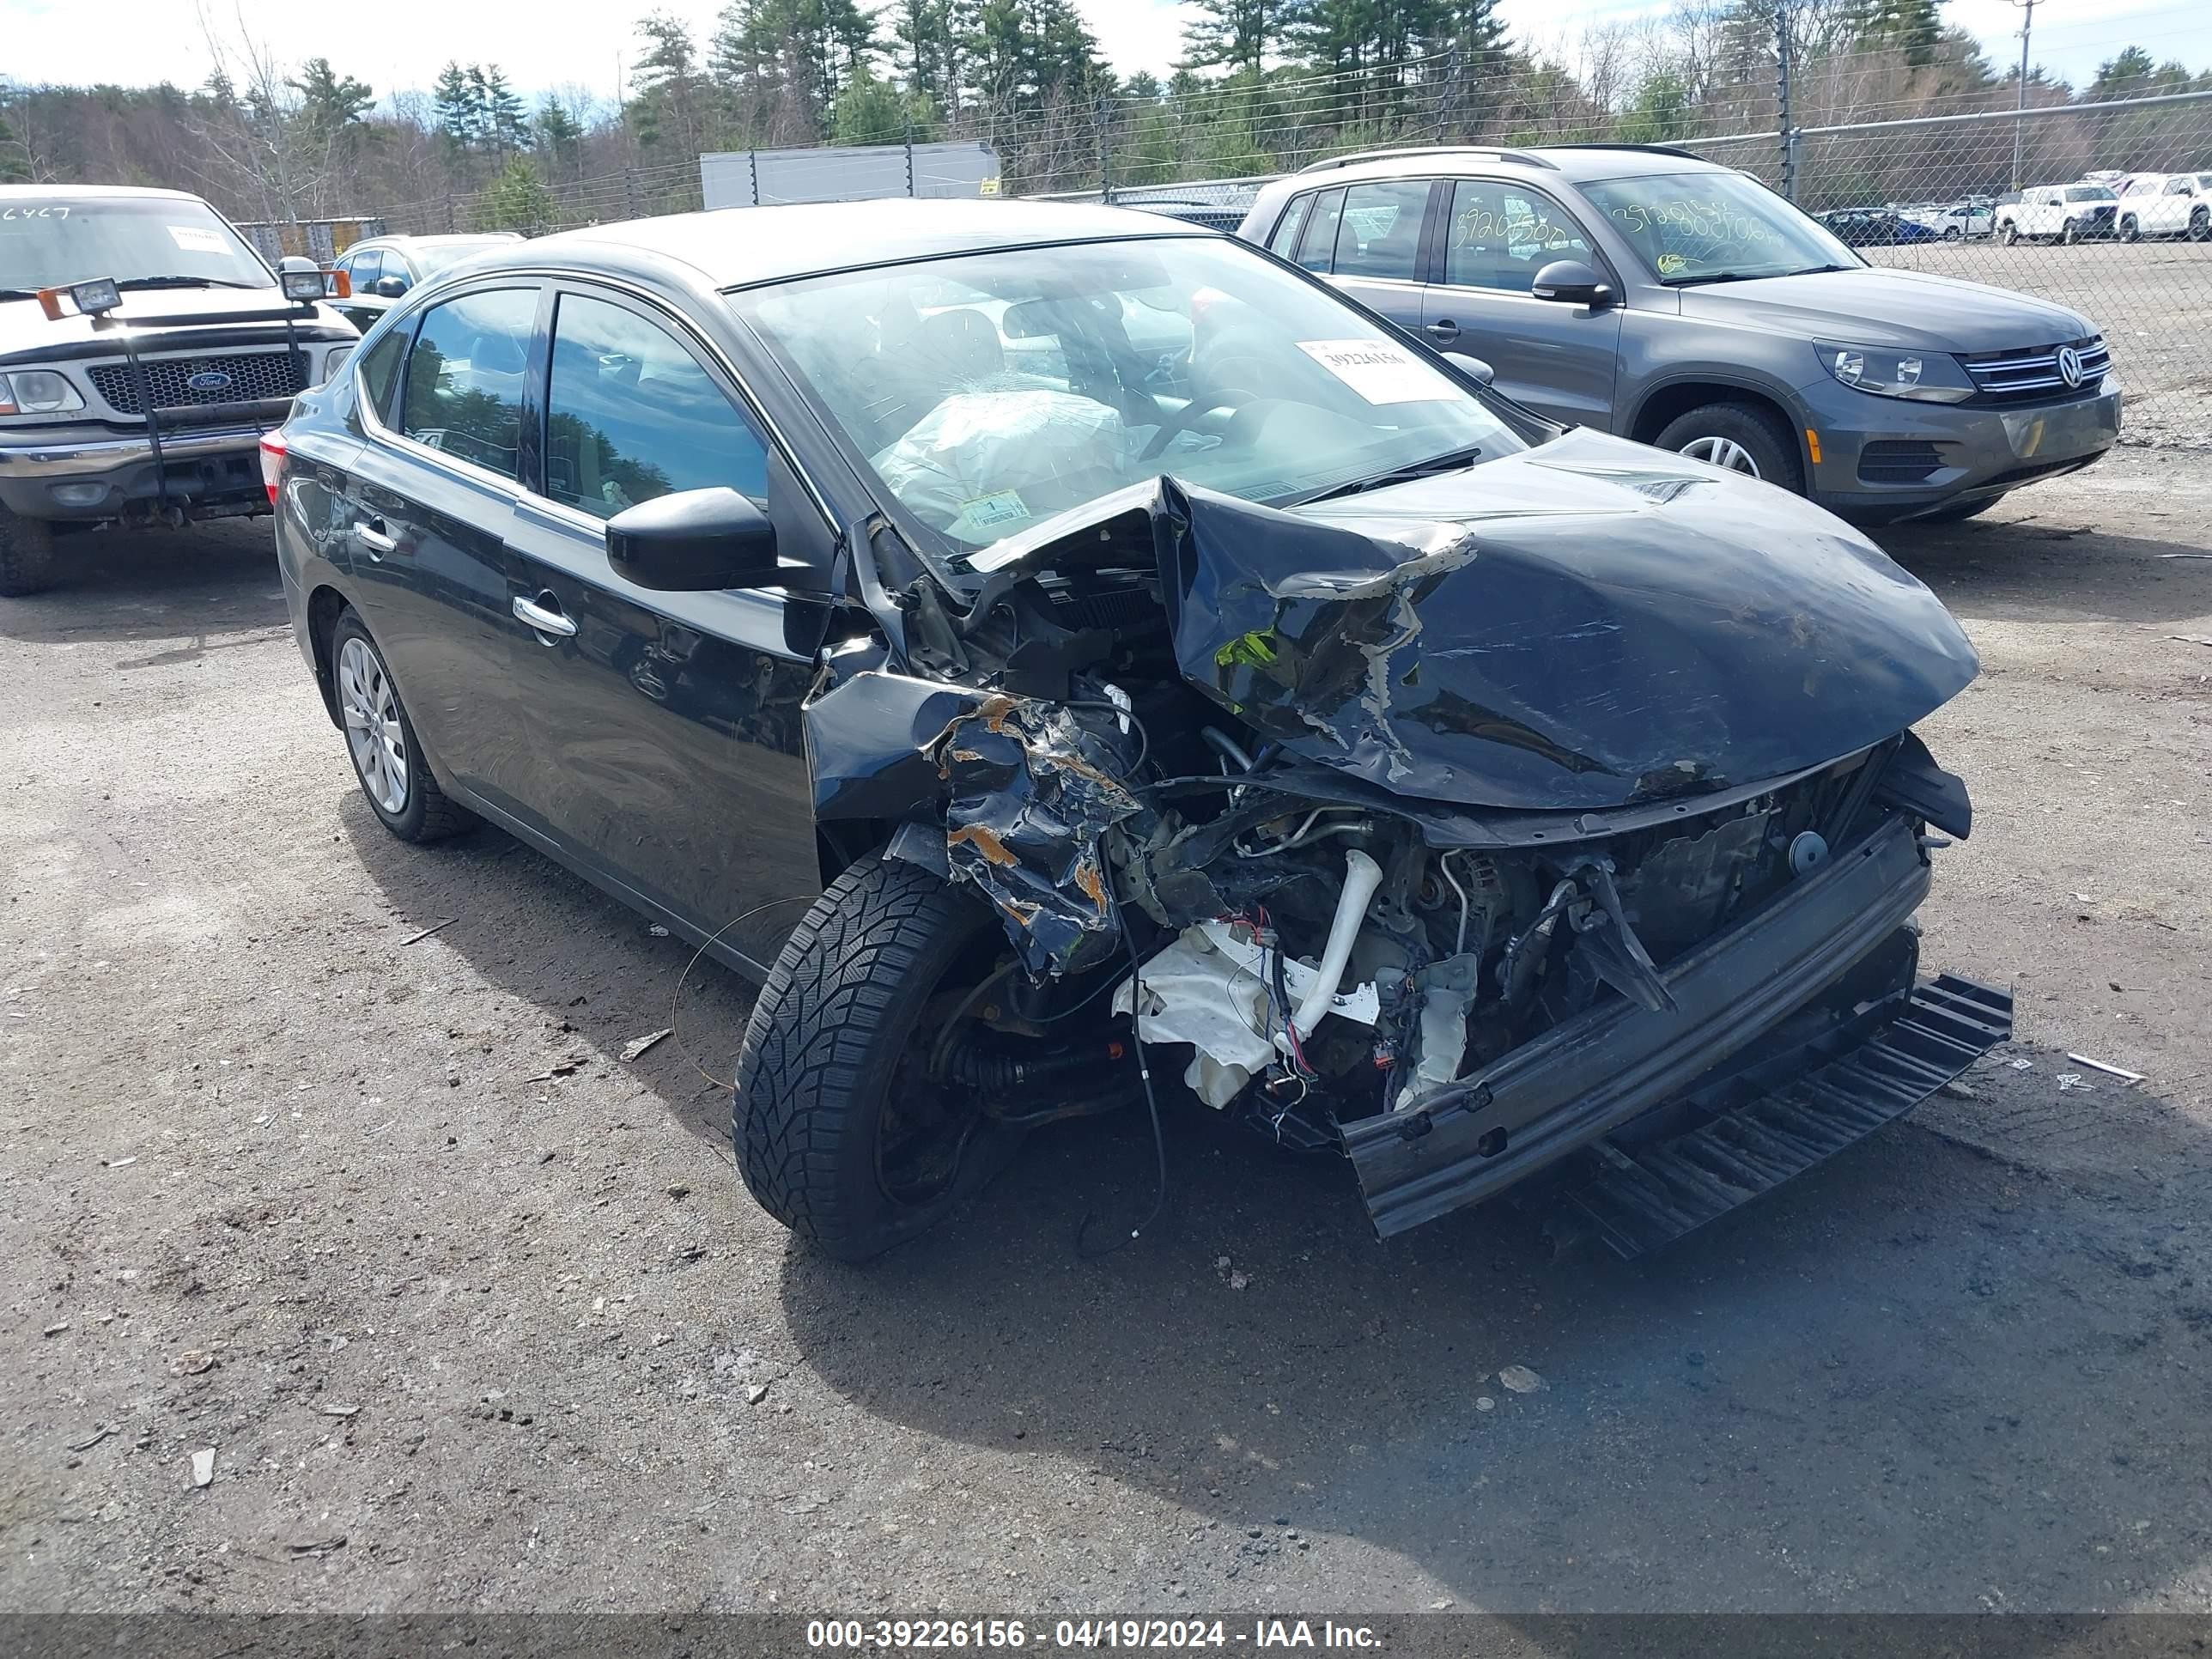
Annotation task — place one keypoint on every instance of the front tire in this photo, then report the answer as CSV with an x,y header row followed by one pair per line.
x,y
387,759
2069,234
841,1134
1952,233
2008,233
26,555
2200,225
1736,438
2130,231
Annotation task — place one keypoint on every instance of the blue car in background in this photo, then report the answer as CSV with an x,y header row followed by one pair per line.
x,y
1874,227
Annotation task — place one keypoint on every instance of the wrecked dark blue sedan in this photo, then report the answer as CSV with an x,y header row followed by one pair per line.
x,y
1060,652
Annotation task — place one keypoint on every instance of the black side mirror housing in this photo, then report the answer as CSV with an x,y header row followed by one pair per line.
x,y
390,288
695,541
1571,282
1472,367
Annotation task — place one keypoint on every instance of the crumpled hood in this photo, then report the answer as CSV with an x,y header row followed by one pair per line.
x,y
1878,307
1587,624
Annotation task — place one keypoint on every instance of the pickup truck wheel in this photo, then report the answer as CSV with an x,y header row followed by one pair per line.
x,y
26,555
2200,224
2129,230
2069,233
840,1132
387,760
2008,233
1736,438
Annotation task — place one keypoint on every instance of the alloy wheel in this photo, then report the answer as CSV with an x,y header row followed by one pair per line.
x,y
370,708
1725,454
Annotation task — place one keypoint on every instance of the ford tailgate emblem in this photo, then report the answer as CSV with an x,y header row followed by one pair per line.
x,y
207,379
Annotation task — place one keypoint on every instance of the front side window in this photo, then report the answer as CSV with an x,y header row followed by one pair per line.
x,y
465,375
140,241
1714,228
1379,234
987,392
631,415
1503,235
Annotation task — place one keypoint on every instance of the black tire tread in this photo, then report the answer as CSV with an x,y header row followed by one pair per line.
x,y
852,977
27,556
1779,434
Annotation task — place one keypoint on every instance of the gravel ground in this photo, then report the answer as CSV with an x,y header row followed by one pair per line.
x,y
385,1220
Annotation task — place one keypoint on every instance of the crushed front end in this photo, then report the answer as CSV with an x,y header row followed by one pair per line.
x,y
1582,839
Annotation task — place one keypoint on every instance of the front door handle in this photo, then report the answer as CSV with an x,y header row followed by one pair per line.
x,y
1445,330
545,618
369,533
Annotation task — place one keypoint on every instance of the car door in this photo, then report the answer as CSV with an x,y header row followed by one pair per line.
x,y
434,495
2169,210
671,763
1558,358
1375,257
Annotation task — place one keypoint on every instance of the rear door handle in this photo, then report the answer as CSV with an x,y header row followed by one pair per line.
x,y
1441,330
369,533
544,620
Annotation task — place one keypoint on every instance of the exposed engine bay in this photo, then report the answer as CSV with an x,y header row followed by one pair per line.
x,y
1456,846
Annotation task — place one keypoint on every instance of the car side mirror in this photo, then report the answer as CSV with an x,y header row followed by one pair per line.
x,y
390,288
695,541
1472,367
1571,282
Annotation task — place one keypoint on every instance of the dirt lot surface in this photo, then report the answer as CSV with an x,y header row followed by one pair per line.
x,y
381,1217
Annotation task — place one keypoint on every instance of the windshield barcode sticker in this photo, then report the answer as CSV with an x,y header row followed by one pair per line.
x,y
1380,372
990,512
193,239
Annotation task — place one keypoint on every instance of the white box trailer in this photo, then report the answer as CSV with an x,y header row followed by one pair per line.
x,y
860,172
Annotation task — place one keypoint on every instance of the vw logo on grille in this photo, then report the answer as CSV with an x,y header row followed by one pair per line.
x,y
214,379
2069,366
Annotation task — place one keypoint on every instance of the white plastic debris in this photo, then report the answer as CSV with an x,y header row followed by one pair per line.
x,y
203,1465
632,1049
1209,987
1520,1379
2068,1081
2022,1064
2120,1072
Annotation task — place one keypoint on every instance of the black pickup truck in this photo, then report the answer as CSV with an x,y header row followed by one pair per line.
x,y
145,346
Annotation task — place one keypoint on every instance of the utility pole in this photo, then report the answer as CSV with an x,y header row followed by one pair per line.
x,y
2019,121
1786,127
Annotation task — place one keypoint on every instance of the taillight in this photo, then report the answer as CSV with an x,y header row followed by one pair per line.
x,y
273,451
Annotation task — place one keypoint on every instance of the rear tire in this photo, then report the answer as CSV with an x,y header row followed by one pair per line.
x,y
387,757
26,555
2130,231
1952,233
1730,435
2200,224
2069,234
832,1112
2008,233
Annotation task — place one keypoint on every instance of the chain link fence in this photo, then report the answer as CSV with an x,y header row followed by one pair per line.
x,y
2103,208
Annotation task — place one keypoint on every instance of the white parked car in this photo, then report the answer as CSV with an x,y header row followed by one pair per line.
x,y
2057,213
1955,222
2165,204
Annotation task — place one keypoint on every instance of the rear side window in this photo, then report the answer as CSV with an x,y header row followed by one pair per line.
x,y
466,374
1380,232
1317,245
1286,232
632,415
365,267
380,370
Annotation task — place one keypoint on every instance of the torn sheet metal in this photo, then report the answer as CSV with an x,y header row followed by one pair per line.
x,y
1209,987
1032,791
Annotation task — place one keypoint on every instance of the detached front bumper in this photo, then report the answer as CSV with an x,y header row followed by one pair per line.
x,y
1595,1073
1883,460
204,471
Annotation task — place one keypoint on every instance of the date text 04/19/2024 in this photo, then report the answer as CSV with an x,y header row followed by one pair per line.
x,y
896,1635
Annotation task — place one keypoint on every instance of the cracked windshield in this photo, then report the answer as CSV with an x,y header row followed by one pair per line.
x,y
992,392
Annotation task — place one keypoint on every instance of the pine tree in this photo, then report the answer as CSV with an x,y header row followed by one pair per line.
x,y
559,137
518,200
453,107
502,124
331,106
1237,33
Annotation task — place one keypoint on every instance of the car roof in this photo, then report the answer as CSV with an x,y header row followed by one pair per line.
x,y
113,192
1574,163
403,238
734,247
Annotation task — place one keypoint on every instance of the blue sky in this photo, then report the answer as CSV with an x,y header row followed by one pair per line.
x,y
544,44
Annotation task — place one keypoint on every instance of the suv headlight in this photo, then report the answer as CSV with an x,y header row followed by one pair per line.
x,y
1931,376
37,392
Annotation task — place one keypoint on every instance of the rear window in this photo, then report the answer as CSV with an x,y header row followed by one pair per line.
x,y
2087,194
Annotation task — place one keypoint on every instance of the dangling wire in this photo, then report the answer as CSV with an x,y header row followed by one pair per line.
x,y
1151,1101
673,996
